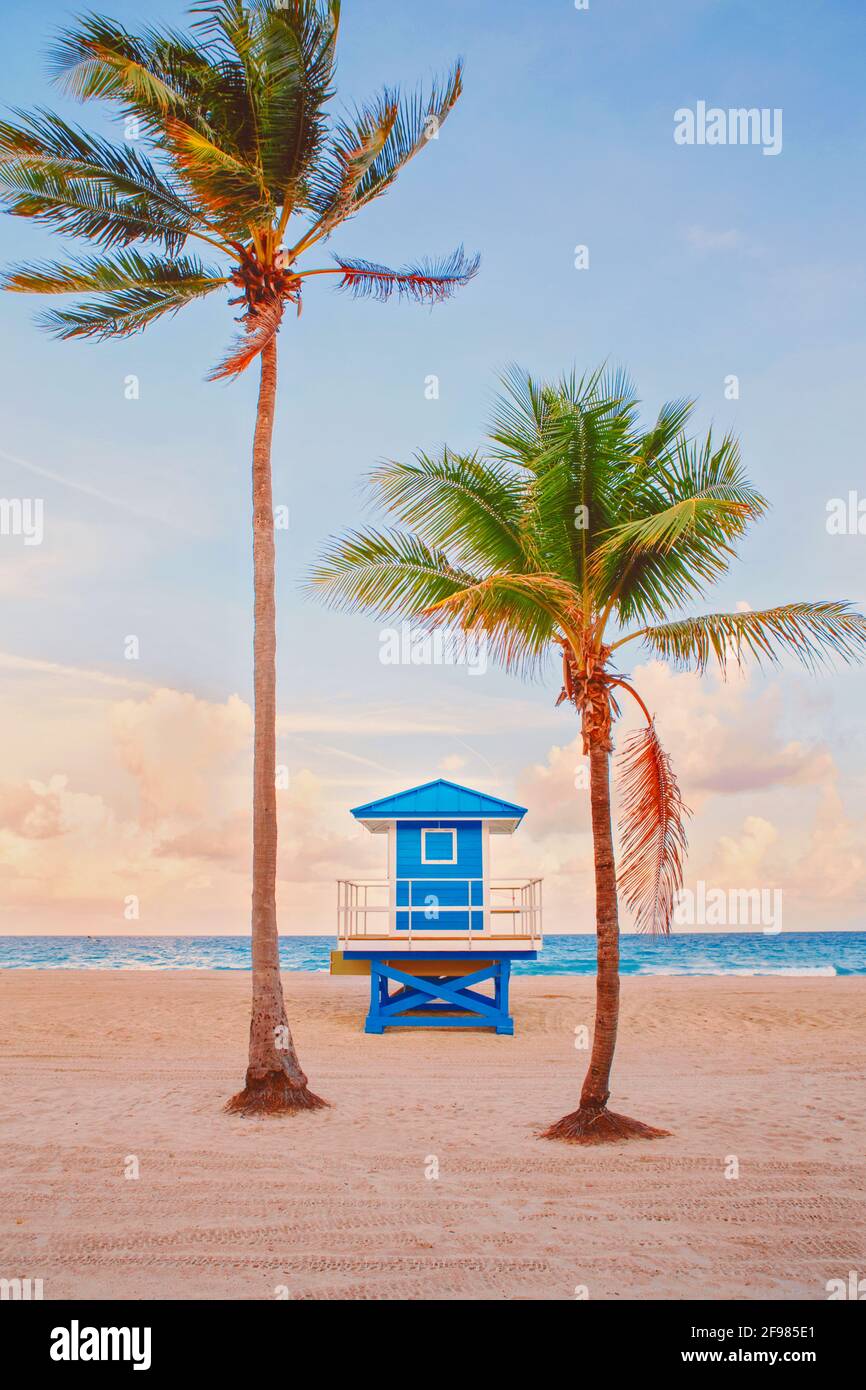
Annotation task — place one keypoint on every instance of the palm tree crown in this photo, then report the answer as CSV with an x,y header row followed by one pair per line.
x,y
243,160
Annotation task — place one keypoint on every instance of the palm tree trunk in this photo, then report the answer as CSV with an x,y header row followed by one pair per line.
x,y
274,1080
592,1122
596,1085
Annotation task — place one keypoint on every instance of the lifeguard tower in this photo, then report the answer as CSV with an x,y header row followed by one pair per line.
x,y
438,926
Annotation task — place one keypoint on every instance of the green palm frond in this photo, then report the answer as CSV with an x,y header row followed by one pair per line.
x,y
152,75
105,274
43,139
87,186
294,54
813,633
350,154
132,289
572,436
686,513
664,436
520,417
583,452
390,573
84,208
460,501
396,575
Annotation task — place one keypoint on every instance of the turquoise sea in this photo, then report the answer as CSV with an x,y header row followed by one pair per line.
x,y
705,953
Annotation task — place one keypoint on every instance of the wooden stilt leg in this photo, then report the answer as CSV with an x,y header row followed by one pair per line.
x,y
503,978
378,995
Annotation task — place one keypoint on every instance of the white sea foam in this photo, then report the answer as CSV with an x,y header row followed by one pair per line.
x,y
737,970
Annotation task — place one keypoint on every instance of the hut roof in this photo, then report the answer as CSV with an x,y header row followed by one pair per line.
x,y
441,799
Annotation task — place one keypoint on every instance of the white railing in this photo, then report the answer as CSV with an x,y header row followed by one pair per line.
x,y
367,913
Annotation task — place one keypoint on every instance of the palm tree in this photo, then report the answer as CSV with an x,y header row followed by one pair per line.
x,y
245,161
579,533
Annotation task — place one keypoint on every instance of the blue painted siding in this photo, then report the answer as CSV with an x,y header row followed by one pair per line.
x,y
446,921
469,850
424,888
428,892
415,892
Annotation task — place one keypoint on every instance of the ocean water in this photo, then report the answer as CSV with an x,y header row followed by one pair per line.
x,y
705,953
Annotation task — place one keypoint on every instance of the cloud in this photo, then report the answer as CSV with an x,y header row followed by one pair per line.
x,y
724,736
179,749
31,812
452,763
706,239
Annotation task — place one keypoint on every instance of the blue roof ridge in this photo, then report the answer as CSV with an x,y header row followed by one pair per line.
x,y
369,806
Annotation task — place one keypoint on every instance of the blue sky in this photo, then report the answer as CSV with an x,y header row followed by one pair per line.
x,y
703,262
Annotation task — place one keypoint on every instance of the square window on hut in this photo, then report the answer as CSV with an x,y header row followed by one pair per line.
x,y
438,846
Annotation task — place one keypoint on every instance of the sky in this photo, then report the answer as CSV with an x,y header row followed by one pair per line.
x,y
125,776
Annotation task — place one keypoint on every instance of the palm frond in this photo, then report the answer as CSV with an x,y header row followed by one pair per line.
x,y
684,516
259,330
521,415
84,208
87,186
351,152
462,502
519,616
132,290
231,189
387,134
579,461
396,575
813,633
390,573
652,832
429,282
154,74
293,52
662,437
125,270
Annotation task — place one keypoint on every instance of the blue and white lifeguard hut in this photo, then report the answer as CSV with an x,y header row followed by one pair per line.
x,y
438,925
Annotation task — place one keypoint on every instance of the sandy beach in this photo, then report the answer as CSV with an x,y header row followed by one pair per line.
x,y
103,1067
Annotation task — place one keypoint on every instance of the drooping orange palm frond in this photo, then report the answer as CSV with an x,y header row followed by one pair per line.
x,y
258,330
652,831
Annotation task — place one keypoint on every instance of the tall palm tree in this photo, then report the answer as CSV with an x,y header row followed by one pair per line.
x,y
578,533
244,160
